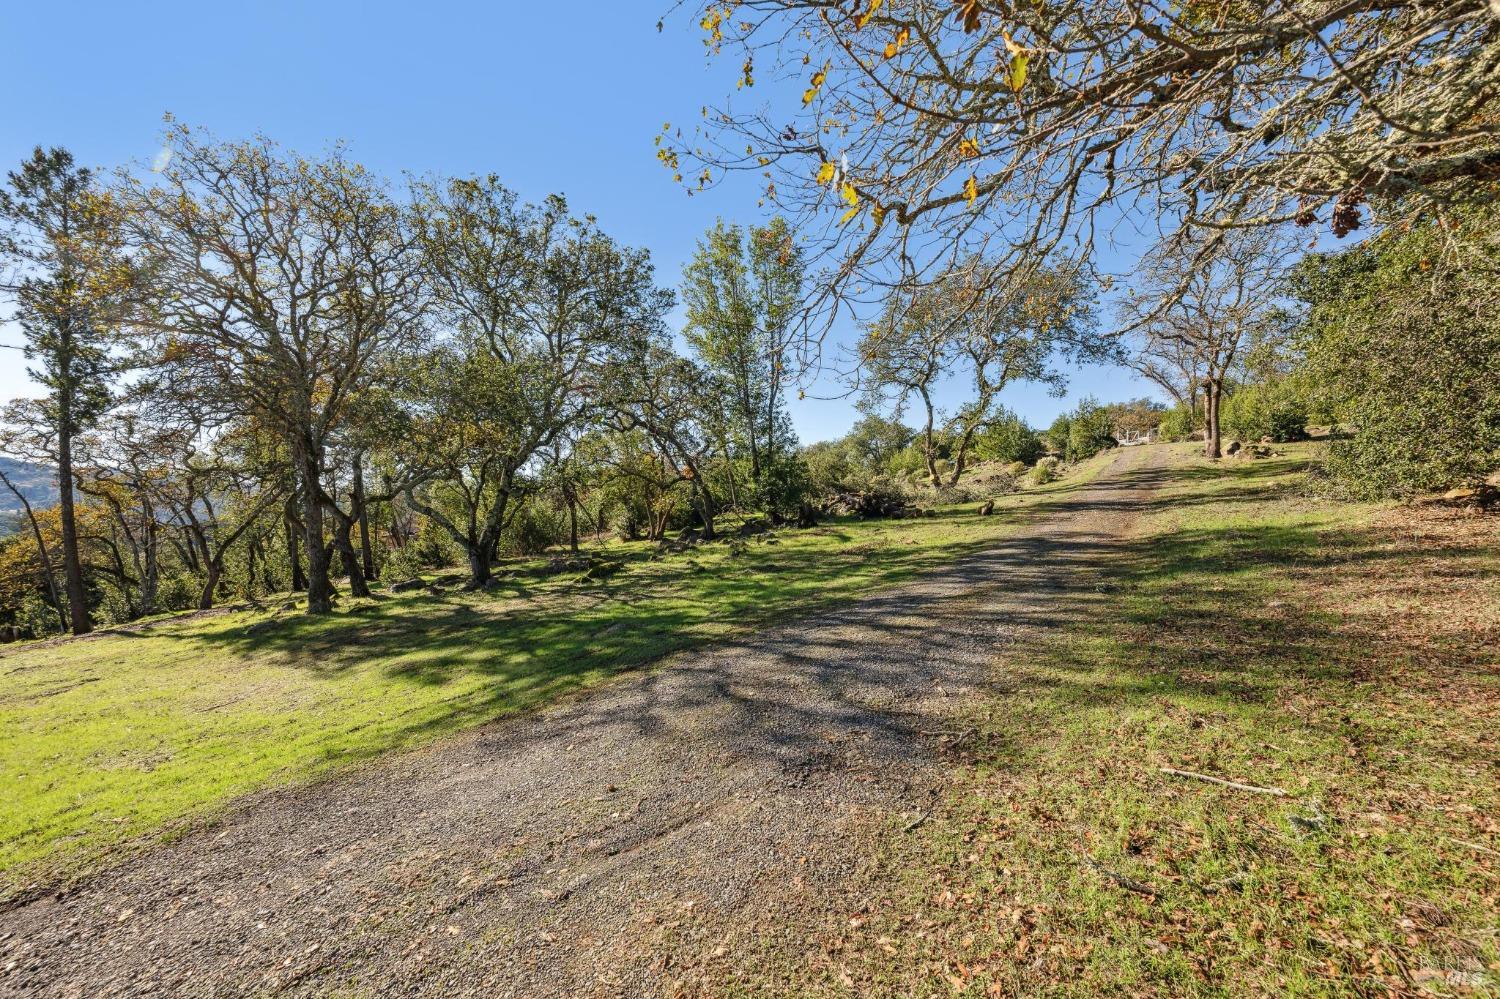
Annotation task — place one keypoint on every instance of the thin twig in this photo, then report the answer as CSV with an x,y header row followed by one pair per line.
x,y
1236,785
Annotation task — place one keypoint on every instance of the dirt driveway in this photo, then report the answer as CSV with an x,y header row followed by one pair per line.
x,y
600,847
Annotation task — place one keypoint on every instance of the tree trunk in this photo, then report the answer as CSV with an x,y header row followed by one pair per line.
x,y
479,565
929,445
572,521
343,529
42,553
959,460
78,610
367,554
150,563
215,569
705,507
319,588
294,556
1214,393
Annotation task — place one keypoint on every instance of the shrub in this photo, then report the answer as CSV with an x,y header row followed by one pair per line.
x,y
1090,430
1044,471
1008,438
1259,411
1403,345
1181,423
909,460
534,529
36,617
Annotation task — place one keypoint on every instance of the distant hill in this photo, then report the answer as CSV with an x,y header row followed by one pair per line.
x,y
37,483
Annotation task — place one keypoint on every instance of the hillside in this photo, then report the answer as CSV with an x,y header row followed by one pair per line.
x,y
36,482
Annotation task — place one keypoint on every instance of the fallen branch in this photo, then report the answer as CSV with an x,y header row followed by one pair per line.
x,y
1475,846
1236,785
957,737
1124,881
916,822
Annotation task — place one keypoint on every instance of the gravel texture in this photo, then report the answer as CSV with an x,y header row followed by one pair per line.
x,y
598,847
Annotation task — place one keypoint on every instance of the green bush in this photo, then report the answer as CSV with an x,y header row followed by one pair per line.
x,y
909,460
1402,339
1007,438
36,617
1181,423
1090,430
1044,471
1265,411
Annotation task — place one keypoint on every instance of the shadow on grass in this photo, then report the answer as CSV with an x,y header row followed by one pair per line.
x,y
1193,602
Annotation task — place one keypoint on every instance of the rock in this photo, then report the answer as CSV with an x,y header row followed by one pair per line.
x,y
1233,448
806,516
602,570
435,590
407,585
987,509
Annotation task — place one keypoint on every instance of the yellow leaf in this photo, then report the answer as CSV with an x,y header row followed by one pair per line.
x,y
825,173
849,194
844,219
968,149
1018,63
864,18
817,84
877,213
971,190
898,43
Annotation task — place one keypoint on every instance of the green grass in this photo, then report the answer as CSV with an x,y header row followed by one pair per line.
x,y
112,739
1346,654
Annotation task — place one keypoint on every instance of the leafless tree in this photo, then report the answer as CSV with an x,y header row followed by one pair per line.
x,y
929,131
1199,313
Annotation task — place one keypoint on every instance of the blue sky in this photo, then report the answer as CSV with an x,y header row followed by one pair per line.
x,y
551,97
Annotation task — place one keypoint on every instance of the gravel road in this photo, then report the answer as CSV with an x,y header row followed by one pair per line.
x,y
598,847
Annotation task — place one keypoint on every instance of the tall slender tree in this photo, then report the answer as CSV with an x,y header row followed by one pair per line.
x,y
743,292
69,280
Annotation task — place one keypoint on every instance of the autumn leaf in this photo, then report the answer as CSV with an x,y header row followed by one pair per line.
x,y
864,18
968,12
971,189
817,84
1017,77
898,43
851,198
826,172
968,149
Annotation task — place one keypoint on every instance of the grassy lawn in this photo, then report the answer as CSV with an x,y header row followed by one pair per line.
x,y
1345,654
109,739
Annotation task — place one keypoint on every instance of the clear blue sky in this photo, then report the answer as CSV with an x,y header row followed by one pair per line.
x,y
551,97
